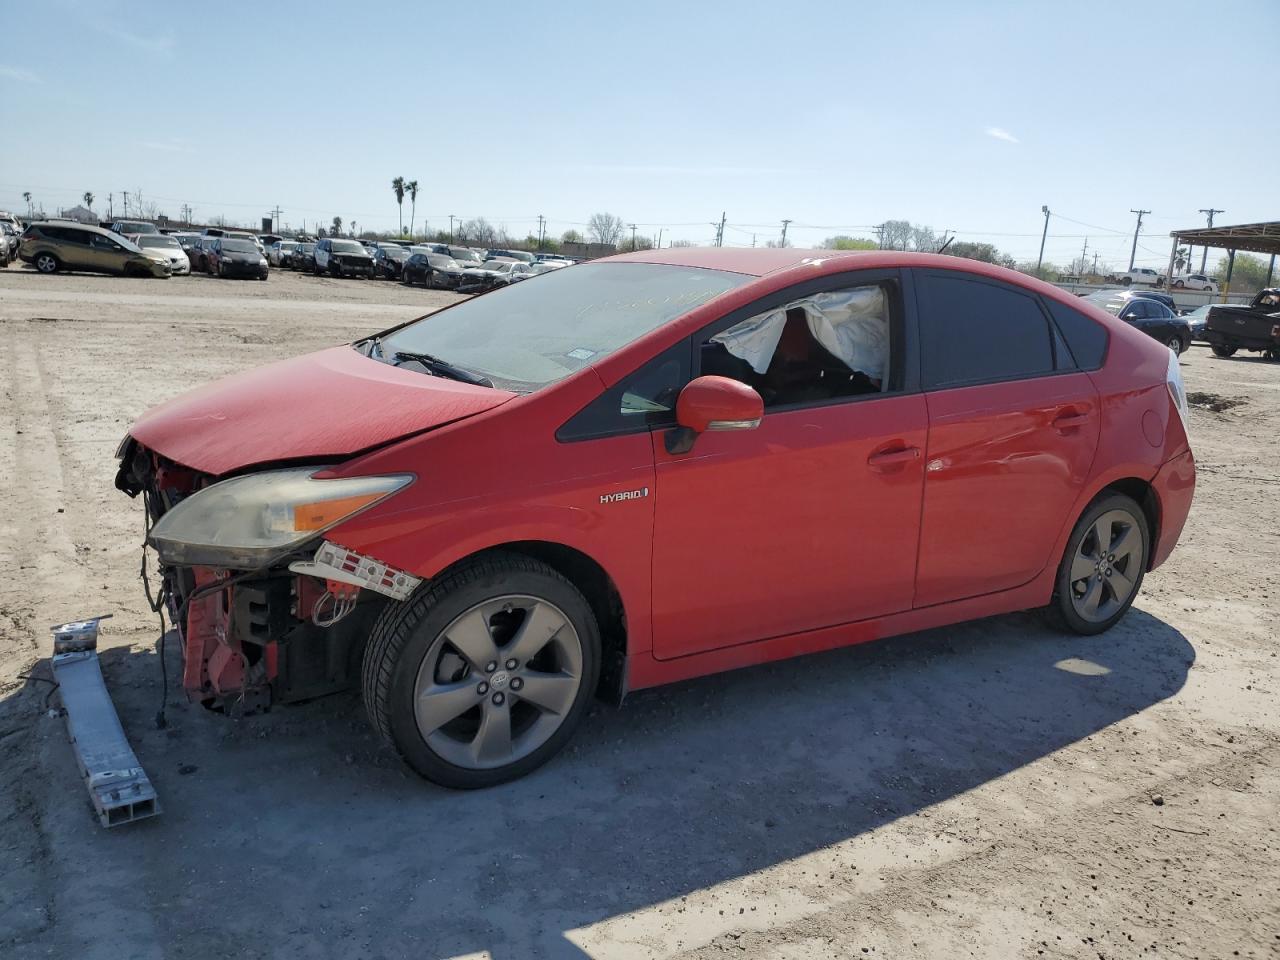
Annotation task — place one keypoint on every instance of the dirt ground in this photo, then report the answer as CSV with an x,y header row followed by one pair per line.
x,y
987,790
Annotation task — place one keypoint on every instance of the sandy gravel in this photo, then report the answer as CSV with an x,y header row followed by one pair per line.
x,y
989,790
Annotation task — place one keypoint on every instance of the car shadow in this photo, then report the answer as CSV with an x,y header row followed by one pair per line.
x,y
301,834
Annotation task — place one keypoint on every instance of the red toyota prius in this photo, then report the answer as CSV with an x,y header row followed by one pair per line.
x,y
648,468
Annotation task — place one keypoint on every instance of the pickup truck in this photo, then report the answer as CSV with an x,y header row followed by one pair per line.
x,y
1142,275
1256,327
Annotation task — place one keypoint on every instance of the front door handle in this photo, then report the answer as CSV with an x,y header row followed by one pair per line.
x,y
889,458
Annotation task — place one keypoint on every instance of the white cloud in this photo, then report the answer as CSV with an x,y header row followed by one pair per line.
x,y
1000,133
18,73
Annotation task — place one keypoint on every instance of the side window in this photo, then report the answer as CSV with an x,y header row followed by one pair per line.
x,y
826,346
1087,338
102,243
979,331
640,401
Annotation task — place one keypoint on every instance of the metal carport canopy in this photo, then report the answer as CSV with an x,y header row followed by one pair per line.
x,y
1254,237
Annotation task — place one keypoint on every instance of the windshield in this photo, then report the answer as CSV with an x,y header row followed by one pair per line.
x,y
442,263
528,335
158,240
464,254
239,246
137,226
306,247
499,266
287,244
396,253
348,246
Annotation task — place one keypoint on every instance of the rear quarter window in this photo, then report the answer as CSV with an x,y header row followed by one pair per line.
x,y
1086,338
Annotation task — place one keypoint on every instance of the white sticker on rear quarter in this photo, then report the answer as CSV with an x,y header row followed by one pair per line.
x,y
581,354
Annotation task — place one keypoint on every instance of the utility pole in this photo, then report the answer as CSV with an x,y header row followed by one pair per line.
x,y
451,219
125,194
1043,236
720,230
1095,263
541,231
879,229
1084,255
783,241
1136,230
658,245
275,218
110,213
633,236
1204,254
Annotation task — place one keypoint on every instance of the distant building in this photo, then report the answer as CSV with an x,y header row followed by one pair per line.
x,y
83,214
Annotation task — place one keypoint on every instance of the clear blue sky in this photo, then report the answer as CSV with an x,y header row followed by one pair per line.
x,y
967,116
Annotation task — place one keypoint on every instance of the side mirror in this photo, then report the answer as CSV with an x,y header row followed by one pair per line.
x,y
713,403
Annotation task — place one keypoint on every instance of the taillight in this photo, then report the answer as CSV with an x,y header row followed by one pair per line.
x,y
1177,390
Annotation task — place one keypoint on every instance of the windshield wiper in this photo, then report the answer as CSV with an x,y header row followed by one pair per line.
x,y
441,368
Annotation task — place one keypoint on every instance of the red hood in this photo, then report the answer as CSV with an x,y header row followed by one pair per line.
x,y
333,403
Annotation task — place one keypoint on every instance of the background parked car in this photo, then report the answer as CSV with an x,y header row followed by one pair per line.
x,y
1139,275
490,274
51,247
279,252
509,255
198,253
127,227
179,262
1153,318
343,258
433,270
465,256
303,256
236,257
1196,320
1196,281
388,260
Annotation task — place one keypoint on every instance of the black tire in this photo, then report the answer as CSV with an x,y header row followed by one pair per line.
x,y
1222,351
1127,281
1178,284
1062,609
407,632
47,263
1174,343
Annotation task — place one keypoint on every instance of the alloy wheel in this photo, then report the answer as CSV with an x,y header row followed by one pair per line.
x,y
498,682
1105,565
1175,344
45,263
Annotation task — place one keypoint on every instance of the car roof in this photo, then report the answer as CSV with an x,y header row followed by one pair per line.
x,y
72,223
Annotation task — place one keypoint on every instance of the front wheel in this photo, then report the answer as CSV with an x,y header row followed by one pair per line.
x,y
483,676
1103,567
1127,281
1174,343
1178,284
1220,350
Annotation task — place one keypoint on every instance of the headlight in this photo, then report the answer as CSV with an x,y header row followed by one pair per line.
x,y
249,522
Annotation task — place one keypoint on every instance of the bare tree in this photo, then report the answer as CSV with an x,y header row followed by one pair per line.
x,y
682,243
895,234
924,239
605,228
412,189
397,187
480,231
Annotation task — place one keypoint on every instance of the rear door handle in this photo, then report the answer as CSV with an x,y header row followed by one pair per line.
x,y
1069,420
888,458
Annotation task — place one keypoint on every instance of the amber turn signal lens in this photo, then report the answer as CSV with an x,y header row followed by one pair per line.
x,y
325,513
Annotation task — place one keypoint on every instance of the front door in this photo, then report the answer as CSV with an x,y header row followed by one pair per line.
x,y
1013,427
812,519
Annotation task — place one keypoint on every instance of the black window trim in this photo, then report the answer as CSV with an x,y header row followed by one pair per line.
x,y
1051,328
1106,334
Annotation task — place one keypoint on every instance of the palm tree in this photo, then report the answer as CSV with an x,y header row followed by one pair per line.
x,y
26,195
412,189
397,187
337,226
88,199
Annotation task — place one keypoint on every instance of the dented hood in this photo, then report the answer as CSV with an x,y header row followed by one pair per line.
x,y
329,404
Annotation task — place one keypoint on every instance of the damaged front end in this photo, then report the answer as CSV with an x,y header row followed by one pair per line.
x,y
267,610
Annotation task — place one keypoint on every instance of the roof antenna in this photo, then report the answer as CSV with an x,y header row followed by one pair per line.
x,y
943,248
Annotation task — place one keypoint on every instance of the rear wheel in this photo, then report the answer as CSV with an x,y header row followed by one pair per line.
x,y
1127,281
1174,343
47,263
1178,284
1222,351
483,676
1103,567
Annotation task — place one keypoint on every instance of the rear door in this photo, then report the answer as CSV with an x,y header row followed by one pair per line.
x,y
73,247
1013,426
